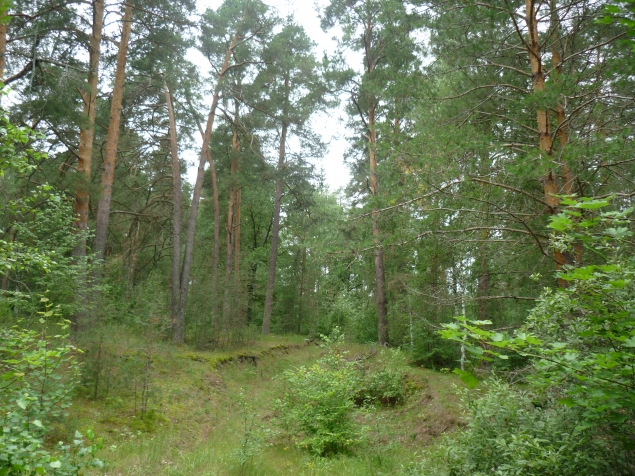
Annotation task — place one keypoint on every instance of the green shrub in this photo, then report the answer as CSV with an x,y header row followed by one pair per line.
x,y
38,374
319,402
386,385
318,405
580,338
432,351
513,432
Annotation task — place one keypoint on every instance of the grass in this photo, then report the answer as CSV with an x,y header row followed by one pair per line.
x,y
196,422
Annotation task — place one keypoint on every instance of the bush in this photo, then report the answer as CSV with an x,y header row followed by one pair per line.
x,y
385,386
38,374
317,408
433,352
513,432
579,340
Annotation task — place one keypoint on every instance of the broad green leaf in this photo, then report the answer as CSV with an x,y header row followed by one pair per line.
x,y
567,401
630,342
618,283
620,232
593,204
561,223
467,378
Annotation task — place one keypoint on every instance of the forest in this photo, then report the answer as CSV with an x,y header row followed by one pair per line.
x,y
183,292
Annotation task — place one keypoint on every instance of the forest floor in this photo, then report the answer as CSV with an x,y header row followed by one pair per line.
x,y
203,407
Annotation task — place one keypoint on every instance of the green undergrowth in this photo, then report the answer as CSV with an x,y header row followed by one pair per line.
x,y
213,413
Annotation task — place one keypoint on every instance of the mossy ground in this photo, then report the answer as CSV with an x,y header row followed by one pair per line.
x,y
195,424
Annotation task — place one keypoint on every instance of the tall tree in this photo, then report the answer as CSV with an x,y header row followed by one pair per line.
x,y
217,219
382,31
295,90
560,88
112,140
177,214
235,23
232,250
87,129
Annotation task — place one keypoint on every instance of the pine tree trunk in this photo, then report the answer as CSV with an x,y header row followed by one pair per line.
x,y
231,217
110,153
236,221
484,278
237,306
177,218
302,275
380,274
549,181
178,328
87,132
84,164
133,253
216,258
563,129
253,269
229,253
237,235
483,289
275,232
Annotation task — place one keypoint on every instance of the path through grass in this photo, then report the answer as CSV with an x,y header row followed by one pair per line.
x,y
197,425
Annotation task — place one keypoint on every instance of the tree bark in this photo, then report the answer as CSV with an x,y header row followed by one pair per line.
x,y
563,129
549,181
302,275
253,269
237,306
87,132
483,289
236,221
484,278
254,266
178,333
231,217
216,256
133,253
371,60
275,232
237,235
177,217
563,132
380,275
110,153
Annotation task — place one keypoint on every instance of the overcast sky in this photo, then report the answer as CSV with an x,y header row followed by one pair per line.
x,y
329,124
